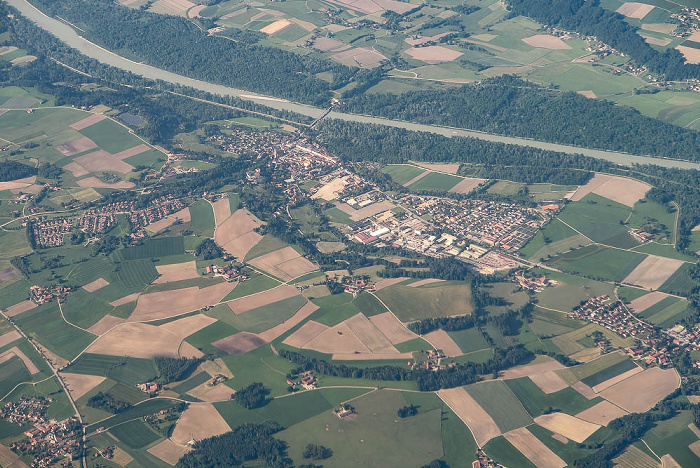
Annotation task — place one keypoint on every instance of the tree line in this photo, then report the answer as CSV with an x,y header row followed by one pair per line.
x,y
511,106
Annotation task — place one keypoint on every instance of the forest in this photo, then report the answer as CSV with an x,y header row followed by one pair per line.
x,y
590,19
159,41
511,106
12,170
173,370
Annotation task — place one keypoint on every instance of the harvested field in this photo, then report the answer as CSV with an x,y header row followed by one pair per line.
x,y
385,283
467,185
330,191
602,413
101,160
95,285
212,394
15,351
87,121
584,390
656,41
76,169
482,427
440,167
165,304
17,184
359,56
240,343
589,94
9,337
306,333
199,421
17,309
327,44
370,335
441,340
235,234
222,210
569,426
424,282
373,356
641,392
367,211
545,41
619,189
10,459
168,451
392,328
635,10
79,384
433,54
617,379
176,272
182,215
543,364
644,302
666,28
133,151
285,264
277,26
634,457
549,382
653,272
416,178
125,300
7,274
279,293
146,341
339,339
105,324
76,146
667,461
301,315
95,182
533,449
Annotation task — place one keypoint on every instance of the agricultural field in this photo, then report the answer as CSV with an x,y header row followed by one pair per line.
x,y
601,263
426,301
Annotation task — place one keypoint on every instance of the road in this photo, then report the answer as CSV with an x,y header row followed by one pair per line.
x,y
73,39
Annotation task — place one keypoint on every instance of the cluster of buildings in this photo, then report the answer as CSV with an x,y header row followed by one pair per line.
x,y
157,209
306,379
352,284
340,181
484,461
640,235
96,221
533,283
688,21
612,315
228,272
433,362
152,388
49,440
43,294
51,232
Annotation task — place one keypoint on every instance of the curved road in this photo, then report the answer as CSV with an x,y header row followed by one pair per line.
x,y
71,37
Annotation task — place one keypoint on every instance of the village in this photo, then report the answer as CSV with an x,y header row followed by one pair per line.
x,y
49,440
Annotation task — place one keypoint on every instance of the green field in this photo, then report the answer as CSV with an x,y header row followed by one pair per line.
x,y
600,219
204,338
376,437
202,218
628,293
128,370
12,372
45,325
570,343
409,303
503,452
260,365
369,305
147,407
609,372
265,317
680,282
468,340
599,365
111,136
536,401
83,309
435,181
266,245
673,437
599,262
570,291
160,247
500,403
135,434
553,232
334,309
194,381
256,284
402,173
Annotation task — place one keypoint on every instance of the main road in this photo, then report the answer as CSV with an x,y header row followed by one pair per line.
x,y
68,35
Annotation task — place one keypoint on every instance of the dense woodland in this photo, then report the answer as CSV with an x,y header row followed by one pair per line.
x,y
173,370
11,170
590,19
511,106
250,444
158,40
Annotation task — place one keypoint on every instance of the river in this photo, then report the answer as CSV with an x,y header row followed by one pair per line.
x,y
71,37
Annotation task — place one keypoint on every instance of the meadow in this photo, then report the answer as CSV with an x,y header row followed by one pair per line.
x,y
422,302
598,262
500,403
536,402
135,434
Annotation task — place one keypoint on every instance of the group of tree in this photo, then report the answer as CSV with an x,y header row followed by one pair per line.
x,y
208,250
591,19
13,170
316,452
107,402
407,411
250,444
175,369
252,396
511,106
461,322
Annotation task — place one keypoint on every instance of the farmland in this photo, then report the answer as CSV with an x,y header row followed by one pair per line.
x,y
414,303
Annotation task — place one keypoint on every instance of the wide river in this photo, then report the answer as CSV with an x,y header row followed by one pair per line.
x,y
71,37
